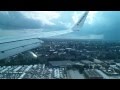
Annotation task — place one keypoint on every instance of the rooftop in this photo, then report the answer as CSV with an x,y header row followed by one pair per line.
x,y
74,74
92,73
86,62
61,63
97,61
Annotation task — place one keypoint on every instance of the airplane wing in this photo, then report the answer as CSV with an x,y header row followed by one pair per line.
x,y
80,22
12,45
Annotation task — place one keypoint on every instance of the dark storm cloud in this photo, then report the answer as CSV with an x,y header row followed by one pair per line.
x,y
16,20
108,25
113,30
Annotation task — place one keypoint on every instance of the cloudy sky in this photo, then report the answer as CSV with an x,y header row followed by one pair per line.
x,y
98,25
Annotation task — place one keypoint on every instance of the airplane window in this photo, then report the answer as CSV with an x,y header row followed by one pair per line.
x,y
59,45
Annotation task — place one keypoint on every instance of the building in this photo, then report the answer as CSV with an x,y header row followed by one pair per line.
x,y
118,65
92,74
97,61
112,71
56,73
74,74
103,74
60,63
86,62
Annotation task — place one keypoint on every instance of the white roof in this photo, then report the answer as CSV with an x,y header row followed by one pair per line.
x,y
97,61
74,74
103,74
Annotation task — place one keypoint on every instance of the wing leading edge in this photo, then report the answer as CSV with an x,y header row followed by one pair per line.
x,y
80,22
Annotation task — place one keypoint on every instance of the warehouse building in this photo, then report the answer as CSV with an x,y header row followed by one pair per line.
x,y
60,63
74,74
92,74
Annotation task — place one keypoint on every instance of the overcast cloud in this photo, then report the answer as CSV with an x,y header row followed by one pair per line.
x,y
98,25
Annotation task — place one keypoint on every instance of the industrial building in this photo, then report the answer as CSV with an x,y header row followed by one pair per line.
x,y
86,62
74,74
60,63
97,61
92,74
118,65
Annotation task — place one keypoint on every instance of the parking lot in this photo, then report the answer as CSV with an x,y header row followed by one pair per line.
x,y
39,71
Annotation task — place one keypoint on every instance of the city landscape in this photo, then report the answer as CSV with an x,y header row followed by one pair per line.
x,y
65,59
